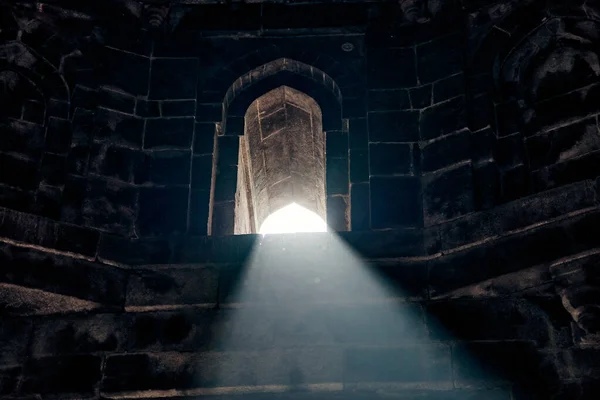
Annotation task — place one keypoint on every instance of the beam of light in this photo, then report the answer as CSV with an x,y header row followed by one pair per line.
x,y
299,302
291,219
306,304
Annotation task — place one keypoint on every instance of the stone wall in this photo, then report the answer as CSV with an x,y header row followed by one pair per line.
x,y
435,313
425,121
461,174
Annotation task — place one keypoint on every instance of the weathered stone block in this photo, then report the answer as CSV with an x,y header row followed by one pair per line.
x,y
394,126
510,253
78,160
18,172
202,167
360,210
53,169
421,97
162,211
110,206
223,220
358,135
33,111
58,135
119,129
390,158
481,113
556,110
448,194
446,150
568,171
493,363
391,68
168,167
395,202
354,107
407,279
113,100
174,78
57,108
417,364
487,319
337,212
347,278
209,112
448,88
9,379
62,375
169,133
584,230
515,183
359,165
564,143
401,242
311,16
147,109
337,144
509,151
125,71
585,362
184,330
84,97
358,325
204,138
486,178
388,100
124,38
337,176
178,108
228,150
443,118
225,183
186,371
508,119
76,240
62,275
27,228
78,335
74,194
22,138
199,211
47,201
483,145
14,336
439,58
16,199
116,162
149,288
133,252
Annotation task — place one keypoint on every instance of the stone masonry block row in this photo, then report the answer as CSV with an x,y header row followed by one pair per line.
x,y
433,365
259,279
284,326
30,229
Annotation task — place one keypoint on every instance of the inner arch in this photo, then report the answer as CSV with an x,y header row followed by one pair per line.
x,y
281,159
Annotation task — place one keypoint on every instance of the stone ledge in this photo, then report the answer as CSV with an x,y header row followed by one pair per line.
x,y
367,391
472,230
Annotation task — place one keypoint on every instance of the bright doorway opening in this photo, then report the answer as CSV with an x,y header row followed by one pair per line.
x,y
291,219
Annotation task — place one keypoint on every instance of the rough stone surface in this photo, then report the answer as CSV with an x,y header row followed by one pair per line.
x,y
453,148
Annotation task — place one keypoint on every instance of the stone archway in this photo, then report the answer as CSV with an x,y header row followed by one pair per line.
x,y
303,80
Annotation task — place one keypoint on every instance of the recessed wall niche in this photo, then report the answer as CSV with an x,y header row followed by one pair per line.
x,y
281,158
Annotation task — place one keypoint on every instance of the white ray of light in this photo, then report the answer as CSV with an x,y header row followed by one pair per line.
x,y
293,218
